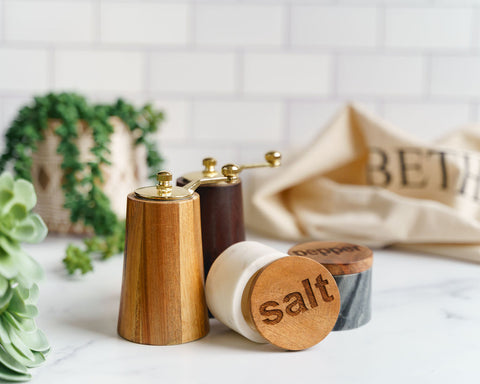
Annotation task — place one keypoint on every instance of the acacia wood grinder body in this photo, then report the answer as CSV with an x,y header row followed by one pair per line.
x,y
221,207
163,299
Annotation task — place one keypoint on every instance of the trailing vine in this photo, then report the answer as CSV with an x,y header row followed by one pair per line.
x,y
82,181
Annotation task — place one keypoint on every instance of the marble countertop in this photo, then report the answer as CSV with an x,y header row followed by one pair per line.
x,y
425,328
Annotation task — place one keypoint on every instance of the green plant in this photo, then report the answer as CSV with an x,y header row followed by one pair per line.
x,y
22,344
82,180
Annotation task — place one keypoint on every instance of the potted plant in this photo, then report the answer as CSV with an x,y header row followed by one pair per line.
x,y
83,159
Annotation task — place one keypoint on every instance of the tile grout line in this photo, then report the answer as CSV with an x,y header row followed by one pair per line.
x,y
287,26
381,11
413,98
286,131
51,54
224,49
473,111
147,58
192,26
191,118
335,76
428,59
239,75
3,21
97,22
475,29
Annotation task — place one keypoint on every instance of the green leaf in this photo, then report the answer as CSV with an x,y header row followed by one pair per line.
x,y
22,291
3,286
77,260
25,193
4,337
33,294
36,341
5,299
5,196
9,375
6,181
16,341
18,211
22,324
8,265
28,294
29,270
18,306
41,229
38,357
9,362
16,263
9,246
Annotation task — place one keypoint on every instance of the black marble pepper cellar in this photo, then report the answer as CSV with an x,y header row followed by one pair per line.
x,y
351,266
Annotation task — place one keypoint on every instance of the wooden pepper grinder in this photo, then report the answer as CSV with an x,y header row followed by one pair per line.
x,y
268,296
221,207
163,300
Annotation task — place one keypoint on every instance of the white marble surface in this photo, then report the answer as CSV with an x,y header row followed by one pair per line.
x,y
425,329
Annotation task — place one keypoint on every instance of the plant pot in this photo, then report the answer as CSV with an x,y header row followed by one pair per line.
x,y
126,172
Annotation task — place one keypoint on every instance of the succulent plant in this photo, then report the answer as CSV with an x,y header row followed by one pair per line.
x,y
22,344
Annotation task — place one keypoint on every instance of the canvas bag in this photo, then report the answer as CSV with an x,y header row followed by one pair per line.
x,y
365,181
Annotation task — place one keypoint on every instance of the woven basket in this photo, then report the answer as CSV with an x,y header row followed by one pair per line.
x,y
127,171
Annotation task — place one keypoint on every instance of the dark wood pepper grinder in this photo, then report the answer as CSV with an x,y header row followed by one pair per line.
x,y
163,299
221,207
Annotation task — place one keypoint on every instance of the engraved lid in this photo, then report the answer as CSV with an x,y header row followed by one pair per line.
x,y
272,160
164,190
339,258
293,302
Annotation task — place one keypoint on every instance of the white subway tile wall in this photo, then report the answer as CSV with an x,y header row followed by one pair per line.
x,y
193,72
144,23
456,76
428,28
175,127
238,121
98,70
381,75
239,77
23,70
246,25
427,120
306,118
287,74
32,21
2,23
334,26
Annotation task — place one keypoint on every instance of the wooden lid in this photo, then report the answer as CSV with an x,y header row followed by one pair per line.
x,y
294,302
339,258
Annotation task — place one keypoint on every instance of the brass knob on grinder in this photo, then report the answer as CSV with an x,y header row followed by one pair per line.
x,y
164,186
209,164
231,172
274,158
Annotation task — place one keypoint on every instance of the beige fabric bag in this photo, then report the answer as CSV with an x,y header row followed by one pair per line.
x,y
364,181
